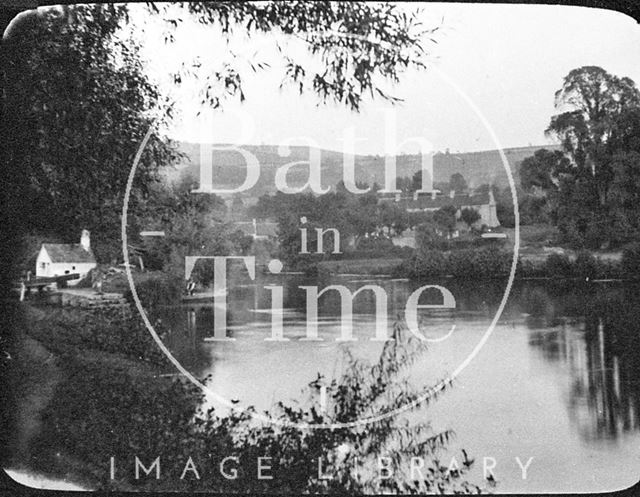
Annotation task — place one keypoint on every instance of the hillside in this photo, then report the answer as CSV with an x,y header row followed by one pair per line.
x,y
229,166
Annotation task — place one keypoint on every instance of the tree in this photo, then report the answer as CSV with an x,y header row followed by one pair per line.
x,y
542,170
445,218
457,183
426,235
485,187
393,217
596,100
193,225
598,130
77,104
416,181
625,196
405,184
470,216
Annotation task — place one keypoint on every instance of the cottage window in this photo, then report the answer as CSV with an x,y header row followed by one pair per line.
x,y
73,267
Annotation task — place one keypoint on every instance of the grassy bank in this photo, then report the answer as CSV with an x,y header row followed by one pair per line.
x,y
80,374
72,331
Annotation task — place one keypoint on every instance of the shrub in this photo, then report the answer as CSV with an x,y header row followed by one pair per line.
x,y
428,263
156,289
373,244
462,263
485,262
112,330
480,263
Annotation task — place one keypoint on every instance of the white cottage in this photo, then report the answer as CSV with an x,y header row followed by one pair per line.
x,y
58,259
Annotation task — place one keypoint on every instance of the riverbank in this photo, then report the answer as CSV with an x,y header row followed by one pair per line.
x,y
496,262
81,373
371,267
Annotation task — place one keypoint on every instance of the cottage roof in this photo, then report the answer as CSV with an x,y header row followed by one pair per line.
x,y
68,252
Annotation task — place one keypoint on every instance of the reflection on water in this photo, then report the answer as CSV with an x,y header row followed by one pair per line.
x,y
598,340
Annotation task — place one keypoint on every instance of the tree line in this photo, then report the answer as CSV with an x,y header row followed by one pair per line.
x,y
77,102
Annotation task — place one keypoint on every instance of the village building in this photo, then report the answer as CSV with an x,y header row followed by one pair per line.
x,y
59,259
483,203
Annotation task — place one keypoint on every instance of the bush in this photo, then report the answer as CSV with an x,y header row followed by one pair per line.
x,y
112,330
156,289
463,264
373,244
429,263
480,263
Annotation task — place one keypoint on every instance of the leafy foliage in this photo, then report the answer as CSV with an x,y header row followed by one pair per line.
x,y
457,183
194,224
77,104
475,263
360,46
541,170
445,219
470,216
76,331
599,135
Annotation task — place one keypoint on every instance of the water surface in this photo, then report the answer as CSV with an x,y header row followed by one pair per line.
x,y
558,380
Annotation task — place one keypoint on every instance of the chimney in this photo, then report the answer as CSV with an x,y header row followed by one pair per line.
x,y
433,194
415,195
452,193
85,240
397,197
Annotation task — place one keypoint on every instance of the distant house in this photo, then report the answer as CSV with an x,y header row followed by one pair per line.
x,y
483,203
58,259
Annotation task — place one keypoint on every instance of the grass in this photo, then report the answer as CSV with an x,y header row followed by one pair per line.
x,y
118,282
535,235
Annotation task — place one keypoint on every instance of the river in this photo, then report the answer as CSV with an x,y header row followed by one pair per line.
x,y
556,385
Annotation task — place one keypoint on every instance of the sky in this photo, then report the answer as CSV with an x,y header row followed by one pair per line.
x,y
489,83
